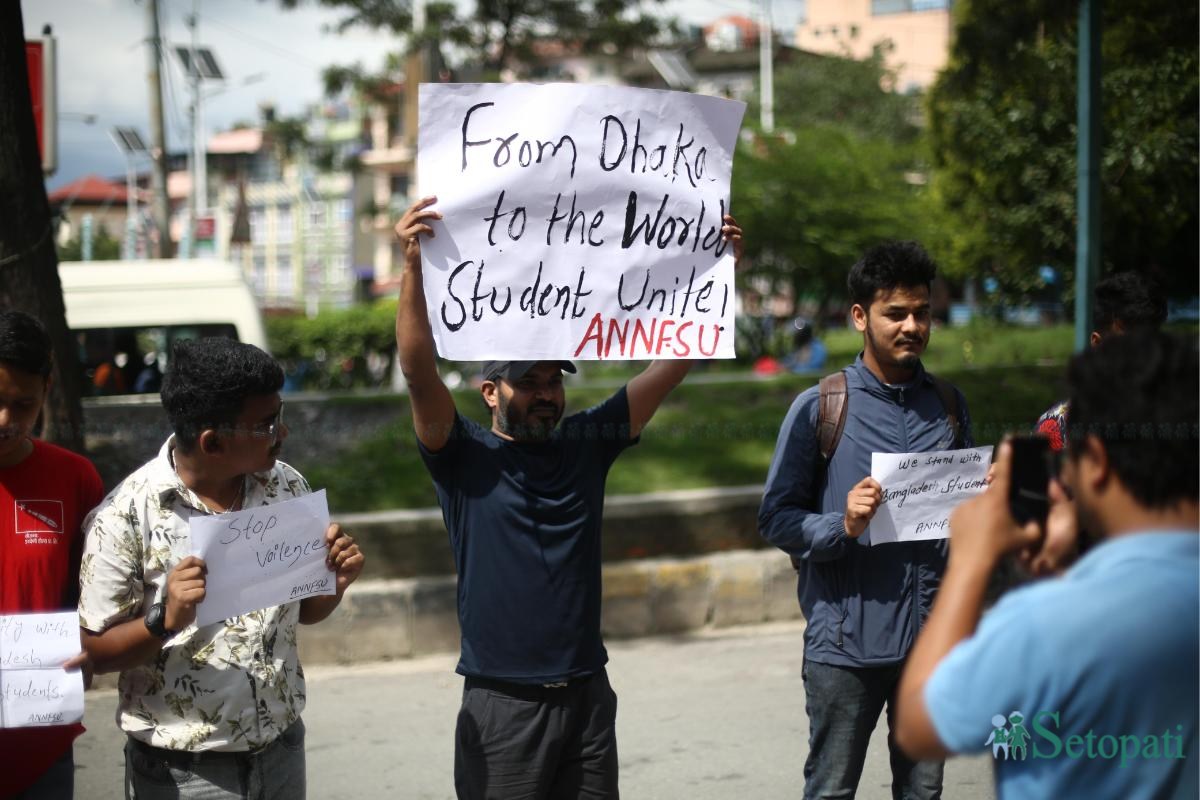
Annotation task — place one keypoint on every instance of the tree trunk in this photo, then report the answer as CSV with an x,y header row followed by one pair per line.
x,y
28,262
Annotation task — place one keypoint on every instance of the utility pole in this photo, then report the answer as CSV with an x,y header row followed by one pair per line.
x,y
766,70
161,209
1087,193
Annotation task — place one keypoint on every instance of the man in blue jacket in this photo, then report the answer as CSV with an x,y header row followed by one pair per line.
x,y
864,605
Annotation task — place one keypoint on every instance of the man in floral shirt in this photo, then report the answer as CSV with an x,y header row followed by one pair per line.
x,y
210,711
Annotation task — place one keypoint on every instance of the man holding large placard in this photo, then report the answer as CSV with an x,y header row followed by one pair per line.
x,y
864,604
216,705
45,493
582,223
522,502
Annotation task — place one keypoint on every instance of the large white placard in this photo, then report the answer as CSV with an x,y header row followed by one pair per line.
x,y
34,688
262,557
580,222
920,490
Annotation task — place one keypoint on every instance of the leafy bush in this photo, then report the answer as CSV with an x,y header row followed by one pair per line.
x,y
347,348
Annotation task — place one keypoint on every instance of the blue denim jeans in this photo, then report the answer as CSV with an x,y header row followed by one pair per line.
x,y
274,773
843,705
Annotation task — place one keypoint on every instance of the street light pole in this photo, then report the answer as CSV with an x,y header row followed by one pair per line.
x,y
766,70
130,143
1087,197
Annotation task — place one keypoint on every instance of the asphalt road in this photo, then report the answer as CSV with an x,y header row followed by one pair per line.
x,y
711,716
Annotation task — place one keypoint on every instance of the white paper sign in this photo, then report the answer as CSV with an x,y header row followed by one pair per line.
x,y
580,222
262,557
34,688
920,490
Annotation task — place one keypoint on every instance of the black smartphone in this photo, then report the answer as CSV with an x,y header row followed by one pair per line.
x,y
1027,492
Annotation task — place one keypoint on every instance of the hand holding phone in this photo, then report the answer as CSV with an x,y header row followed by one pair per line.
x,y
1029,479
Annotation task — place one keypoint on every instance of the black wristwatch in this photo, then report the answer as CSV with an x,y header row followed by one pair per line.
x,y
156,621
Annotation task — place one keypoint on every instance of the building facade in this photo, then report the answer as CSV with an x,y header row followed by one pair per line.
x,y
920,32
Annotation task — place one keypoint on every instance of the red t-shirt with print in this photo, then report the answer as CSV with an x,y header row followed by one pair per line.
x,y
43,502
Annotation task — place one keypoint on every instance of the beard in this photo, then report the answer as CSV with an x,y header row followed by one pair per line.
x,y
530,425
884,355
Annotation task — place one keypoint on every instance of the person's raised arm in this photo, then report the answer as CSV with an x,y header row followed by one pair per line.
x,y
432,404
647,390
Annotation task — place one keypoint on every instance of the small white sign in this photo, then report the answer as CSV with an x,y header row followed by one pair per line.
x,y
262,557
34,688
920,490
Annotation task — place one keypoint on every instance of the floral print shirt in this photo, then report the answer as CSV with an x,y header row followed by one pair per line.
x,y
234,685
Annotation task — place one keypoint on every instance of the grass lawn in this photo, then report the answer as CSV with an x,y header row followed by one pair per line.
x,y
706,434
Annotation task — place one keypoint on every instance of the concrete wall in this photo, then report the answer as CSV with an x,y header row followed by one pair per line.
x,y
402,618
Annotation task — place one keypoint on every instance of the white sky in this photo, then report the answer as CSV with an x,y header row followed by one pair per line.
x,y
102,63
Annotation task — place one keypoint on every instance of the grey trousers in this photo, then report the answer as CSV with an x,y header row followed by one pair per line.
x,y
519,742
274,773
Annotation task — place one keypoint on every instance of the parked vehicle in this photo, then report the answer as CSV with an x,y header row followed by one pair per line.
x,y
126,315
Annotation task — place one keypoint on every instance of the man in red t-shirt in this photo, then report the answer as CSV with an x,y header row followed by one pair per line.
x,y
45,493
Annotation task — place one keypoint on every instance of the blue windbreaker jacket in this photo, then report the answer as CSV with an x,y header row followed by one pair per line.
x,y
864,605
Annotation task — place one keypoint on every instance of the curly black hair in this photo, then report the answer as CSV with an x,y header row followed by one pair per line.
x,y
208,382
886,266
1130,300
1137,394
24,343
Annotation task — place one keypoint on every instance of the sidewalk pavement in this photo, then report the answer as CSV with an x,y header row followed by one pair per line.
x,y
713,715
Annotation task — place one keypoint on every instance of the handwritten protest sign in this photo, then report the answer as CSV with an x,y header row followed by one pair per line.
x,y
262,557
34,688
579,222
920,490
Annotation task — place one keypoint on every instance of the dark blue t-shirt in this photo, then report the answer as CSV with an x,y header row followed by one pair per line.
x,y
524,522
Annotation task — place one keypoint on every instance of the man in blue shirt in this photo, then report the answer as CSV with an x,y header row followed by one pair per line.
x,y
1100,667
863,604
522,502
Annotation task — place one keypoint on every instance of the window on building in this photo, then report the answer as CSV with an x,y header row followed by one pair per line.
x,y
258,271
337,270
342,210
285,280
284,227
316,214
879,7
399,199
258,221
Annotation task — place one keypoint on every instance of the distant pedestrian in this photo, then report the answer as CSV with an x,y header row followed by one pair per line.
x,y
1124,302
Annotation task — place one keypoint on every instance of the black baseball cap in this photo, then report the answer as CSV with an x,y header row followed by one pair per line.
x,y
515,370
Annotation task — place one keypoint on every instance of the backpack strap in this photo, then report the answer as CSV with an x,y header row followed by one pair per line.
x,y
831,419
949,397
831,413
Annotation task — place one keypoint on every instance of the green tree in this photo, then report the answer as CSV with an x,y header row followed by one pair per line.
x,y
104,247
844,173
503,33
1003,140
852,94
28,264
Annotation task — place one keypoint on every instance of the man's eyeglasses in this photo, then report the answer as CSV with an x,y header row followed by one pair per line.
x,y
271,430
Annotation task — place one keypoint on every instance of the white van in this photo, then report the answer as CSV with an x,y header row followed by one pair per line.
x,y
127,314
